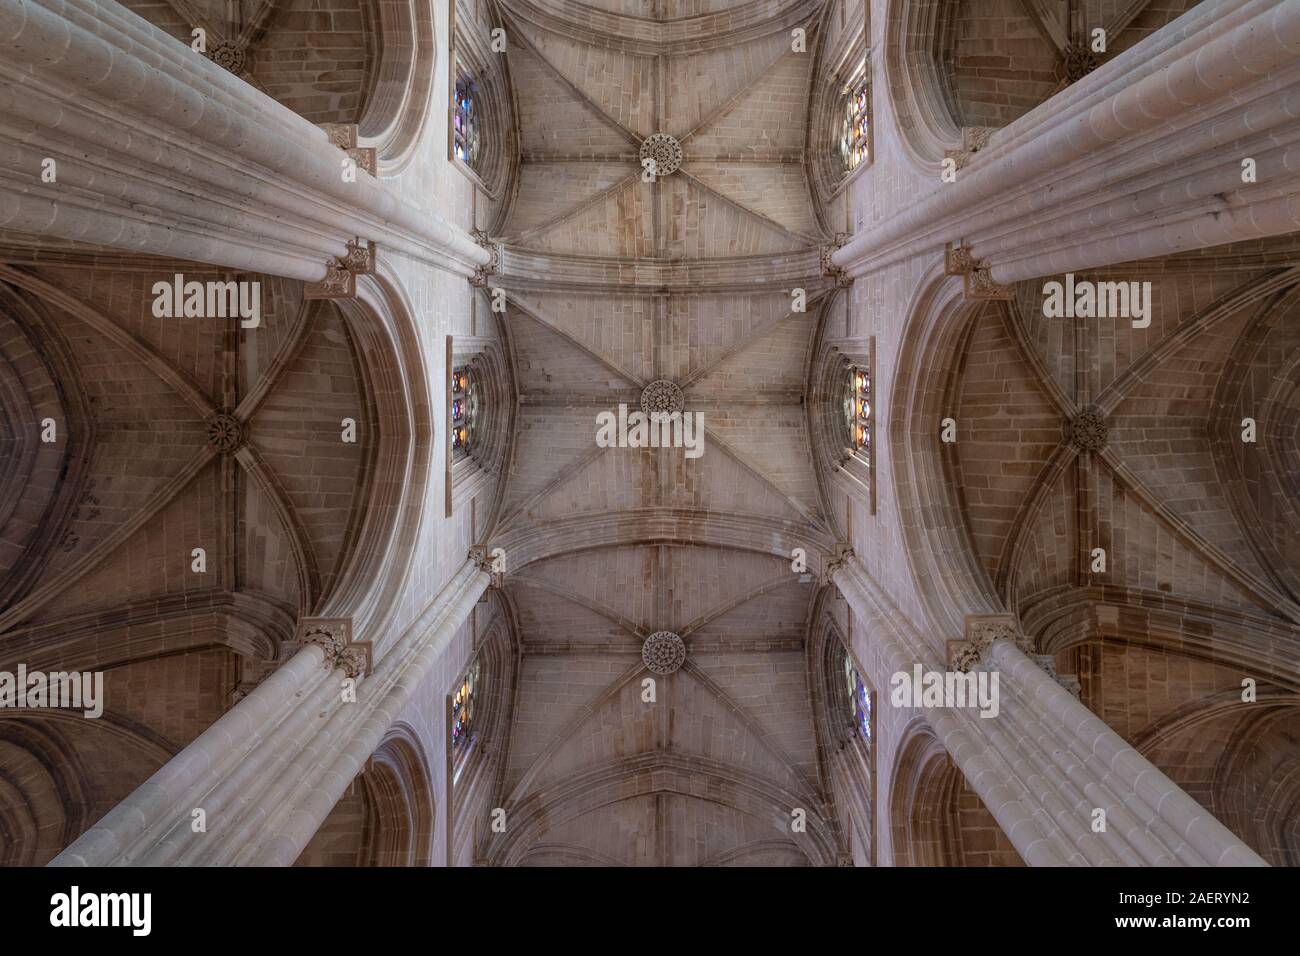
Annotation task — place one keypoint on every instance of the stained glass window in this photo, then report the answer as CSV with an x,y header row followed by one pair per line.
x,y
465,122
857,123
857,410
462,711
859,699
464,406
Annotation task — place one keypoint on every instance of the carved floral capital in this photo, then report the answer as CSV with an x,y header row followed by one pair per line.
x,y
334,636
982,631
481,274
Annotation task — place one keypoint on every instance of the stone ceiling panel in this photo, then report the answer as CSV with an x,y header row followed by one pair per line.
x,y
621,84
553,120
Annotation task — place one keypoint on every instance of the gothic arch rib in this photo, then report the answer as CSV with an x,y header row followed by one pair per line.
x,y
675,37
68,392
665,526
521,788
611,782
1249,293
597,111
1249,583
181,383
1280,483
634,629
260,473
745,717
42,595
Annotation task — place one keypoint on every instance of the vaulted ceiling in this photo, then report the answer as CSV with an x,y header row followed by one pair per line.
x,y
1004,57
1189,503
171,437
615,282
1184,508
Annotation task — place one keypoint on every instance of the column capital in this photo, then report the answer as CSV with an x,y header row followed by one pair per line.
x,y
489,564
346,137
957,259
977,282
829,269
982,630
340,280
334,636
493,266
973,139
836,560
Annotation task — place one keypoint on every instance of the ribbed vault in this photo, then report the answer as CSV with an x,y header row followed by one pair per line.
x,y
616,279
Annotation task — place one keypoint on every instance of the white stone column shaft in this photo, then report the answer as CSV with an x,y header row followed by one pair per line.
x,y
171,792
297,819
1162,128
161,151
1046,762
269,771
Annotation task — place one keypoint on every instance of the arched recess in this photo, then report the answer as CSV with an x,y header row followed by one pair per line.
x,y
838,464
387,817
922,802
917,35
935,818
319,60
1261,479
485,464
940,553
60,772
476,775
840,66
961,69
400,82
1241,761
40,482
400,817
385,534
846,760
473,60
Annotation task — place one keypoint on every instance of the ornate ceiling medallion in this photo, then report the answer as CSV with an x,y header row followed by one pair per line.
x,y
225,433
663,652
1088,430
662,396
664,150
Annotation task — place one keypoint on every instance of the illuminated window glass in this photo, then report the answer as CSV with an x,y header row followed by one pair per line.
x,y
859,700
856,123
858,411
462,712
465,122
464,408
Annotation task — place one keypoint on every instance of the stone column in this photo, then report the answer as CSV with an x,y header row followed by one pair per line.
x,y
1142,157
1045,763
159,150
269,771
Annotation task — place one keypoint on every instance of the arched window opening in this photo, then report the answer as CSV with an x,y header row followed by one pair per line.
x,y
464,411
466,122
860,710
463,731
855,133
858,410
